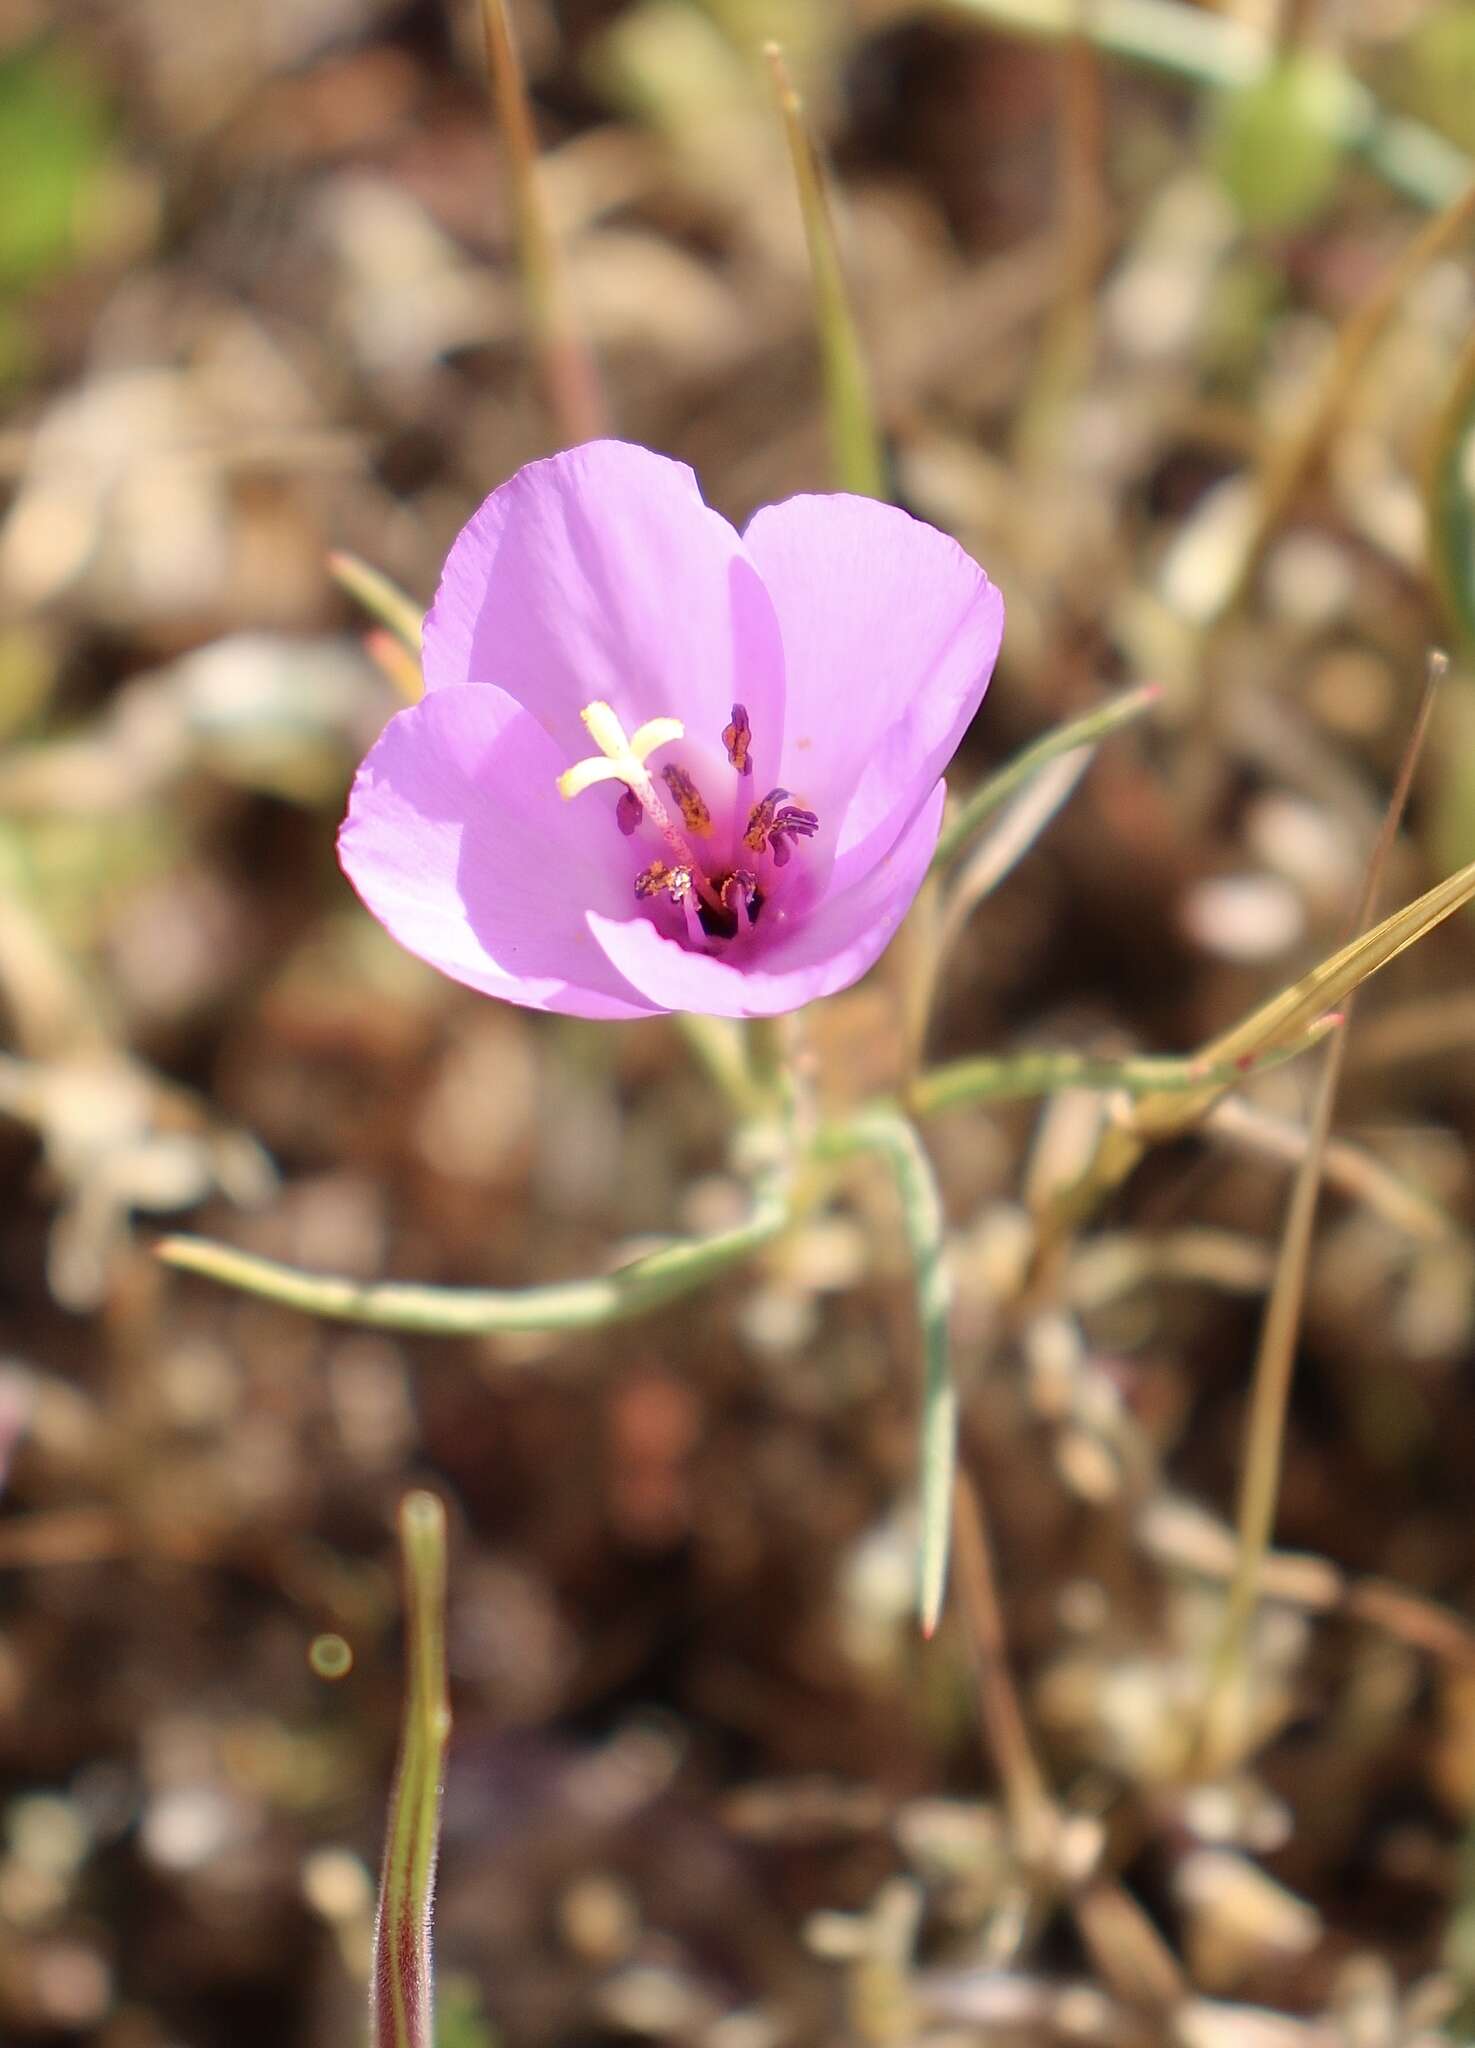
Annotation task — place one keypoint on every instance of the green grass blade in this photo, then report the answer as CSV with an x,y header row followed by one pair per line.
x,y
380,597
402,1992
855,442
1451,500
631,1290
962,826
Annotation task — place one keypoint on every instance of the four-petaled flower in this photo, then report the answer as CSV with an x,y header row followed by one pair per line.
x,y
661,766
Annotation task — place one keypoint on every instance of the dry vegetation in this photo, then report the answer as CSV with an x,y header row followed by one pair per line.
x,y
1159,355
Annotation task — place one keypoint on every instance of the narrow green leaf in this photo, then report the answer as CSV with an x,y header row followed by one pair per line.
x,y
1451,499
403,1986
380,597
855,442
631,1290
980,805
888,1133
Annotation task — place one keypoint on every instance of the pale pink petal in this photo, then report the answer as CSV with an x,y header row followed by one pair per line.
x,y
459,843
600,573
890,635
827,950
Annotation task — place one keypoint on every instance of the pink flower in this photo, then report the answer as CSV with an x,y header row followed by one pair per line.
x,y
663,766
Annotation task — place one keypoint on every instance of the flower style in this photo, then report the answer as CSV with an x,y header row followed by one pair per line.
x,y
661,766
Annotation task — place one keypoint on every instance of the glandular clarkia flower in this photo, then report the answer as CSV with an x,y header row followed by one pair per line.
x,y
663,766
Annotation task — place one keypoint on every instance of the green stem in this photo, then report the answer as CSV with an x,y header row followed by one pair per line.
x,y
1020,1076
888,1134
632,1290
402,1999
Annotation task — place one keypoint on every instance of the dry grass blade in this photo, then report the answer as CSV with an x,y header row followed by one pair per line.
x,y
1354,1172
570,380
1156,1117
1218,1735
1291,459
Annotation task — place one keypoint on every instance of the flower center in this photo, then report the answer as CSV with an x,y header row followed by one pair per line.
x,y
718,876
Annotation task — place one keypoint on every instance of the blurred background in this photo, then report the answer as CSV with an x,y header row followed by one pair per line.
x,y
258,300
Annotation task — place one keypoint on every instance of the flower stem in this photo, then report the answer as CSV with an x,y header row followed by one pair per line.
x,y
632,1290
889,1134
1016,1077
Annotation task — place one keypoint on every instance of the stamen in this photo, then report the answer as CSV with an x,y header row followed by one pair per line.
x,y
623,760
740,897
738,738
659,879
689,800
774,822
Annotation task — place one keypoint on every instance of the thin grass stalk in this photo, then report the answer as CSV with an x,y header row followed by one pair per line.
x,y
1270,1391
402,2000
566,369
1027,1797
1291,459
856,450
1154,1117
1068,341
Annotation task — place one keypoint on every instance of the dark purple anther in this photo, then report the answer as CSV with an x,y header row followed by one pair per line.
x,y
774,822
629,811
737,738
